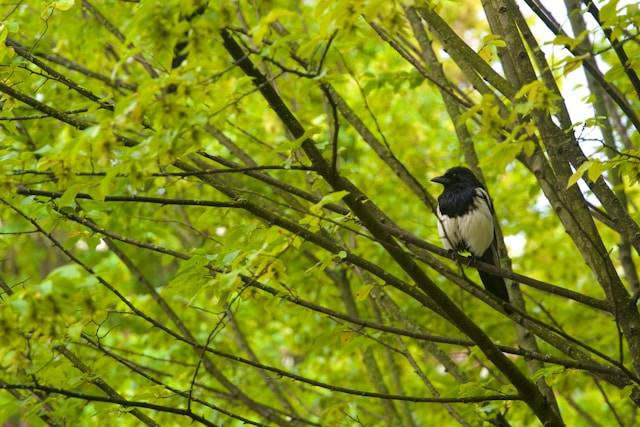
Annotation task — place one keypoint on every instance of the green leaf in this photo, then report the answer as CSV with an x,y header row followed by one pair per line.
x,y
529,147
331,198
20,305
68,198
570,65
563,40
614,73
608,13
616,34
4,31
493,39
596,170
74,331
230,257
191,277
346,337
5,51
363,292
63,4
547,372
578,173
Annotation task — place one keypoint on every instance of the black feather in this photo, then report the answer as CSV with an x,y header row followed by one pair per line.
x,y
494,284
460,196
458,202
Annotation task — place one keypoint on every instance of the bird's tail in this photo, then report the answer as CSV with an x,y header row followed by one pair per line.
x,y
494,284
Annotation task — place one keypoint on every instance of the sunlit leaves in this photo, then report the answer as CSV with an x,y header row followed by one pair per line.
x,y
6,52
573,63
363,292
68,197
165,112
63,4
489,45
608,13
593,169
550,374
536,95
190,279
330,198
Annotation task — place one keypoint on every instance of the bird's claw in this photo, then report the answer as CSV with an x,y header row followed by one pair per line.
x,y
472,261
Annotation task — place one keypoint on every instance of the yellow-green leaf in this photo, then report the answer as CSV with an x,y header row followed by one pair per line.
x,y
571,65
562,40
578,173
68,198
347,336
363,292
608,12
596,170
63,4
331,198
74,331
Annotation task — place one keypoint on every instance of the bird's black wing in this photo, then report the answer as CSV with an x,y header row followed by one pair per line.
x,y
484,195
494,284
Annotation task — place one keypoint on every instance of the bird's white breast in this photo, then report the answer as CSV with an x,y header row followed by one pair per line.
x,y
473,230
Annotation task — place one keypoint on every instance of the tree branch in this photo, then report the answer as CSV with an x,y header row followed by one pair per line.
x,y
22,51
101,384
583,365
617,47
589,64
105,399
135,199
358,204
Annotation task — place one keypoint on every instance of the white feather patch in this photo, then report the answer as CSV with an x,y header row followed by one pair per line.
x,y
473,229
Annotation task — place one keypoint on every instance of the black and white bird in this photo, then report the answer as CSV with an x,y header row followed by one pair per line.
x,y
465,222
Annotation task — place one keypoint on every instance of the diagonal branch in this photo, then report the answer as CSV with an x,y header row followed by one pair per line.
x,y
101,384
140,371
43,108
589,64
412,332
105,399
401,234
617,47
67,63
63,117
360,205
24,52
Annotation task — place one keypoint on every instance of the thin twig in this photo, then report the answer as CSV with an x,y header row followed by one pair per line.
x,y
122,402
41,116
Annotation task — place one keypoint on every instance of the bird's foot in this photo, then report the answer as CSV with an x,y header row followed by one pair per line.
x,y
452,254
472,260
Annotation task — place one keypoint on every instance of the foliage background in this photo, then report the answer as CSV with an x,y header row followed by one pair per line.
x,y
61,327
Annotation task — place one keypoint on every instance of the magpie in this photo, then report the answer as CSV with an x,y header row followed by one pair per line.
x,y
465,222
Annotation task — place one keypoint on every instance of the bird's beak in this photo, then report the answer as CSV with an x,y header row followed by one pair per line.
x,y
440,180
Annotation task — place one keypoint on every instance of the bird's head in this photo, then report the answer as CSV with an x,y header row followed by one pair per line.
x,y
457,176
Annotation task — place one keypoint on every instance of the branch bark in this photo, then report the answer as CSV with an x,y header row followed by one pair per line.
x,y
101,384
357,202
